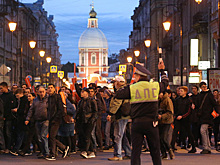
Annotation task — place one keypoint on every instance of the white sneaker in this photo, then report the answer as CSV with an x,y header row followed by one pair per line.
x,y
84,154
91,155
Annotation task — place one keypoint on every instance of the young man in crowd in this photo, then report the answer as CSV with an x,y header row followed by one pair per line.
x,y
55,114
38,111
20,111
216,126
2,139
86,117
182,119
207,104
9,104
194,115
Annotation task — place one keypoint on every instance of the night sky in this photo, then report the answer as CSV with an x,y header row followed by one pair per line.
x,y
71,16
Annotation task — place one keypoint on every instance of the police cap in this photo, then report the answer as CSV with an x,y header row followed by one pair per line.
x,y
141,70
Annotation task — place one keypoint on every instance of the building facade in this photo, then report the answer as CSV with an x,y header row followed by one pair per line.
x,y
192,20
93,49
33,23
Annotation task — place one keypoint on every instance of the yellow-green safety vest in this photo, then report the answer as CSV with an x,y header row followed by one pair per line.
x,y
144,91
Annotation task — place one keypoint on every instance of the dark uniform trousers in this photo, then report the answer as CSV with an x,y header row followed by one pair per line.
x,y
138,130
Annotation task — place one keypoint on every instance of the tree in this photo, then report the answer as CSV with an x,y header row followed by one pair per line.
x,y
68,67
113,58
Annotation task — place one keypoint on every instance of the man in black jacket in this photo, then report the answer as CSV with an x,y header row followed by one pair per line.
x,y
20,111
182,118
207,104
86,117
2,139
9,104
55,115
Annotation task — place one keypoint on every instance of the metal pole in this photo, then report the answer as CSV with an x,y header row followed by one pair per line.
x,y
181,43
11,57
219,33
41,70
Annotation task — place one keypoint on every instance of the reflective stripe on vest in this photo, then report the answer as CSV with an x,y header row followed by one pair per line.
x,y
144,91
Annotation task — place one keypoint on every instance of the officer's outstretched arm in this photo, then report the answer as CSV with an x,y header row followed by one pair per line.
x,y
123,93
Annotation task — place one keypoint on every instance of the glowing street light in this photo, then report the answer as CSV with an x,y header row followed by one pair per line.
x,y
32,44
12,26
48,59
129,59
42,53
167,25
136,53
198,1
147,43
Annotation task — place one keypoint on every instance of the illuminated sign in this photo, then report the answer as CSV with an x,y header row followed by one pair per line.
x,y
194,51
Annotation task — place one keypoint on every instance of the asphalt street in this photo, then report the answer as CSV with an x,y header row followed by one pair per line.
x,y
182,158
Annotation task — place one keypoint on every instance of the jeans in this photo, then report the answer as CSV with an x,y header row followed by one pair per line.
x,y
2,139
8,133
205,137
164,138
42,132
120,139
53,142
95,144
20,137
107,133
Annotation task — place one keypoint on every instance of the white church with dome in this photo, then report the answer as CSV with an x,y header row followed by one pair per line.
x,y
93,50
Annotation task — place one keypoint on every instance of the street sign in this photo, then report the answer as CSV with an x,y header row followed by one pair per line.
x,y
53,69
29,77
61,74
203,65
4,69
123,68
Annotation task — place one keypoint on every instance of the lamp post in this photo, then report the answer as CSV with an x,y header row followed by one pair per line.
x,y
48,59
129,59
12,28
167,26
32,45
147,45
42,53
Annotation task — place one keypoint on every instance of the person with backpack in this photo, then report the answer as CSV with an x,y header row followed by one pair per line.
x,y
55,113
207,104
120,113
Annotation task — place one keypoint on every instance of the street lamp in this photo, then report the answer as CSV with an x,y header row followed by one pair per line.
x,y
167,25
48,59
12,26
42,53
198,1
129,59
136,53
32,44
147,43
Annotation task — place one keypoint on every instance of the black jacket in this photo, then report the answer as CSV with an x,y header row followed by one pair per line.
x,y
209,105
183,107
1,111
9,104
55,110
21,114
146,111
195,101
86,111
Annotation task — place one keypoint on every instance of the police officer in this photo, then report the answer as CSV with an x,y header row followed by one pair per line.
x,y
143,97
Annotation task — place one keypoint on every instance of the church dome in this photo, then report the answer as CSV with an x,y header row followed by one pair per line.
x,y
93,38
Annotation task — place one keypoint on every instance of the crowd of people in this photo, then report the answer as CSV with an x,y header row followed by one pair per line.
x,y
96,118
